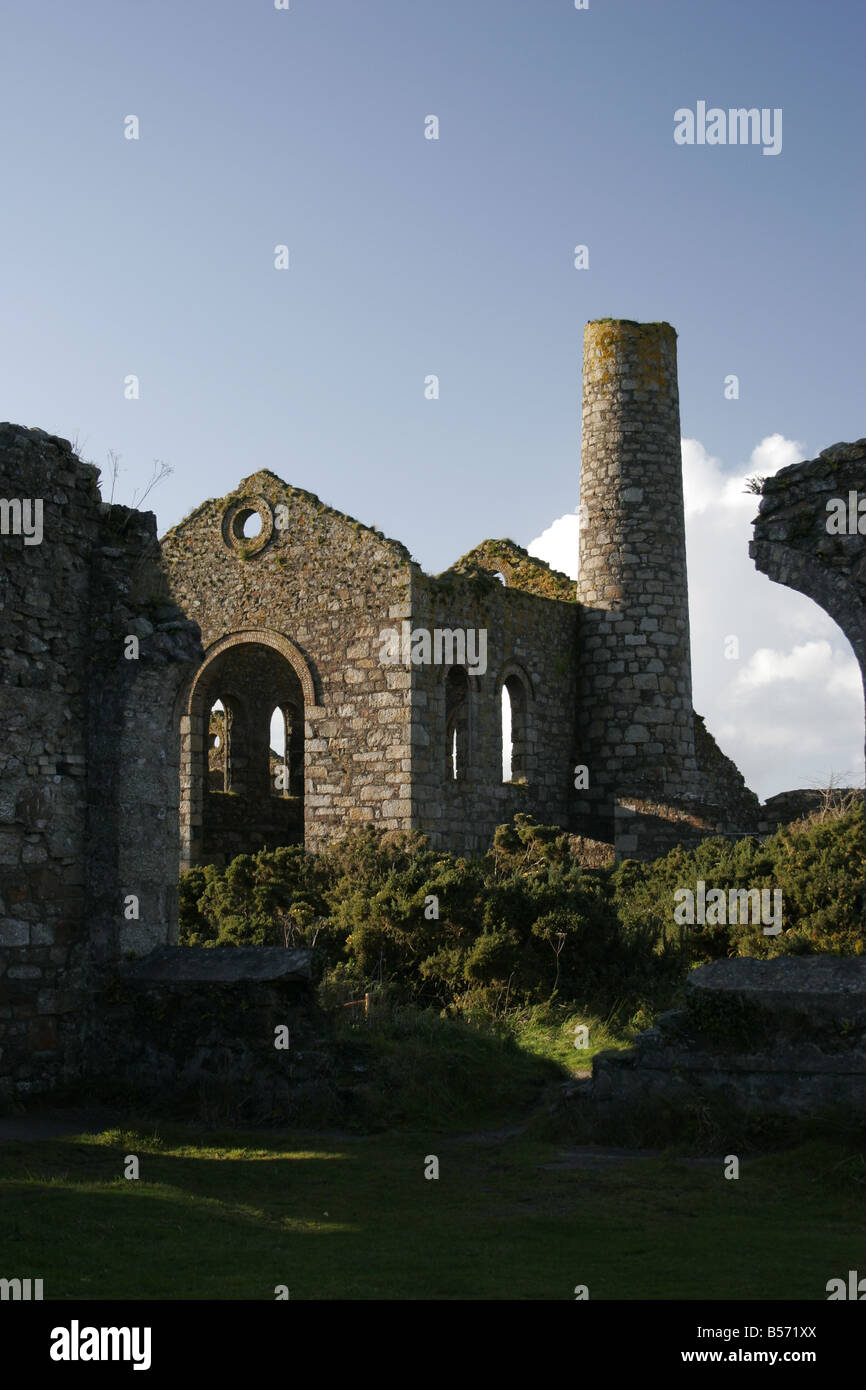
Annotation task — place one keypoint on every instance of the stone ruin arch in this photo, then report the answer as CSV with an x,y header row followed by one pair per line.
x,y
267,638
256,670
798,543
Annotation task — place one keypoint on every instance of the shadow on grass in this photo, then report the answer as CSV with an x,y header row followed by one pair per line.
x,y
408,1067
233,1217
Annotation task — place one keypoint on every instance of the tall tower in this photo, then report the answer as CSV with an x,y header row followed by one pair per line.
x,y
635,719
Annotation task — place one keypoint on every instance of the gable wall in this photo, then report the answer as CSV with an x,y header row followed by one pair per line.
x,y
328,586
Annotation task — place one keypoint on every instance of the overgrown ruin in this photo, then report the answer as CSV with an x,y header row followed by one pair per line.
x,y
140,678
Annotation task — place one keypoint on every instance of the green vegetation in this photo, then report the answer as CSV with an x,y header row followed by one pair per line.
x,y
472,1011
460,1053
407,1067
490,940
510,1217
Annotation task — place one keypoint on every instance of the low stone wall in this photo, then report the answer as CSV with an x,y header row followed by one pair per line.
x,y
193,1030
793,805
647,830
784,1037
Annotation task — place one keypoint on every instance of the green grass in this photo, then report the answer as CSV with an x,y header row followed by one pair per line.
x,y
549,1031
335,1218
409,1066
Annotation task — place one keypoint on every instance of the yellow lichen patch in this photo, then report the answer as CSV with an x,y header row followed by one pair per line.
x,y
617,347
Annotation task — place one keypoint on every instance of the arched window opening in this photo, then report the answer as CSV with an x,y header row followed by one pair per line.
x,y
287,751
278,753
456,723
246,713
506,735
514,731
219,748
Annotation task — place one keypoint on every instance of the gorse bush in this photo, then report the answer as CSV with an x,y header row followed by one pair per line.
x,y
818,866
257,900
527,923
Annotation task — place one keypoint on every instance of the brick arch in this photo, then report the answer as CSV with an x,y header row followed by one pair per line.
x,y
266,638
513,668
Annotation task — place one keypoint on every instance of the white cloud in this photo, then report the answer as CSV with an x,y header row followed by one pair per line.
x,y
775,452
808,663
705,484
558,544
789,711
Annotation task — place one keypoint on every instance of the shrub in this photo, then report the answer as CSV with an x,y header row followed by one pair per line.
x,y
527,922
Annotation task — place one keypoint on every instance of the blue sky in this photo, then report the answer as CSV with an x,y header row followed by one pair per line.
x,y
410,256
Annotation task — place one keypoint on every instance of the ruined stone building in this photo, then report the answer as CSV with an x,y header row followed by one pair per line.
x,y
140,678
597,675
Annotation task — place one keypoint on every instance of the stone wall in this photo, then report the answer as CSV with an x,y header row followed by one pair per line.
x,y
43,765
722,787
297,617
531,648
774,1039
797,804
241,824
316,589
88,763
195,1030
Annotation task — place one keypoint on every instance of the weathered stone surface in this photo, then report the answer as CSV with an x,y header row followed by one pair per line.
x,y
818,989
795,977
89,758
804,801
221,965
632,560
195,1031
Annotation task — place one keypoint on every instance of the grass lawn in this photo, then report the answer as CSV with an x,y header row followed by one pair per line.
x,y
231,1217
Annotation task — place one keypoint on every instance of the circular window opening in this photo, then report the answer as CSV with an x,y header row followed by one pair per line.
x,y
247,525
